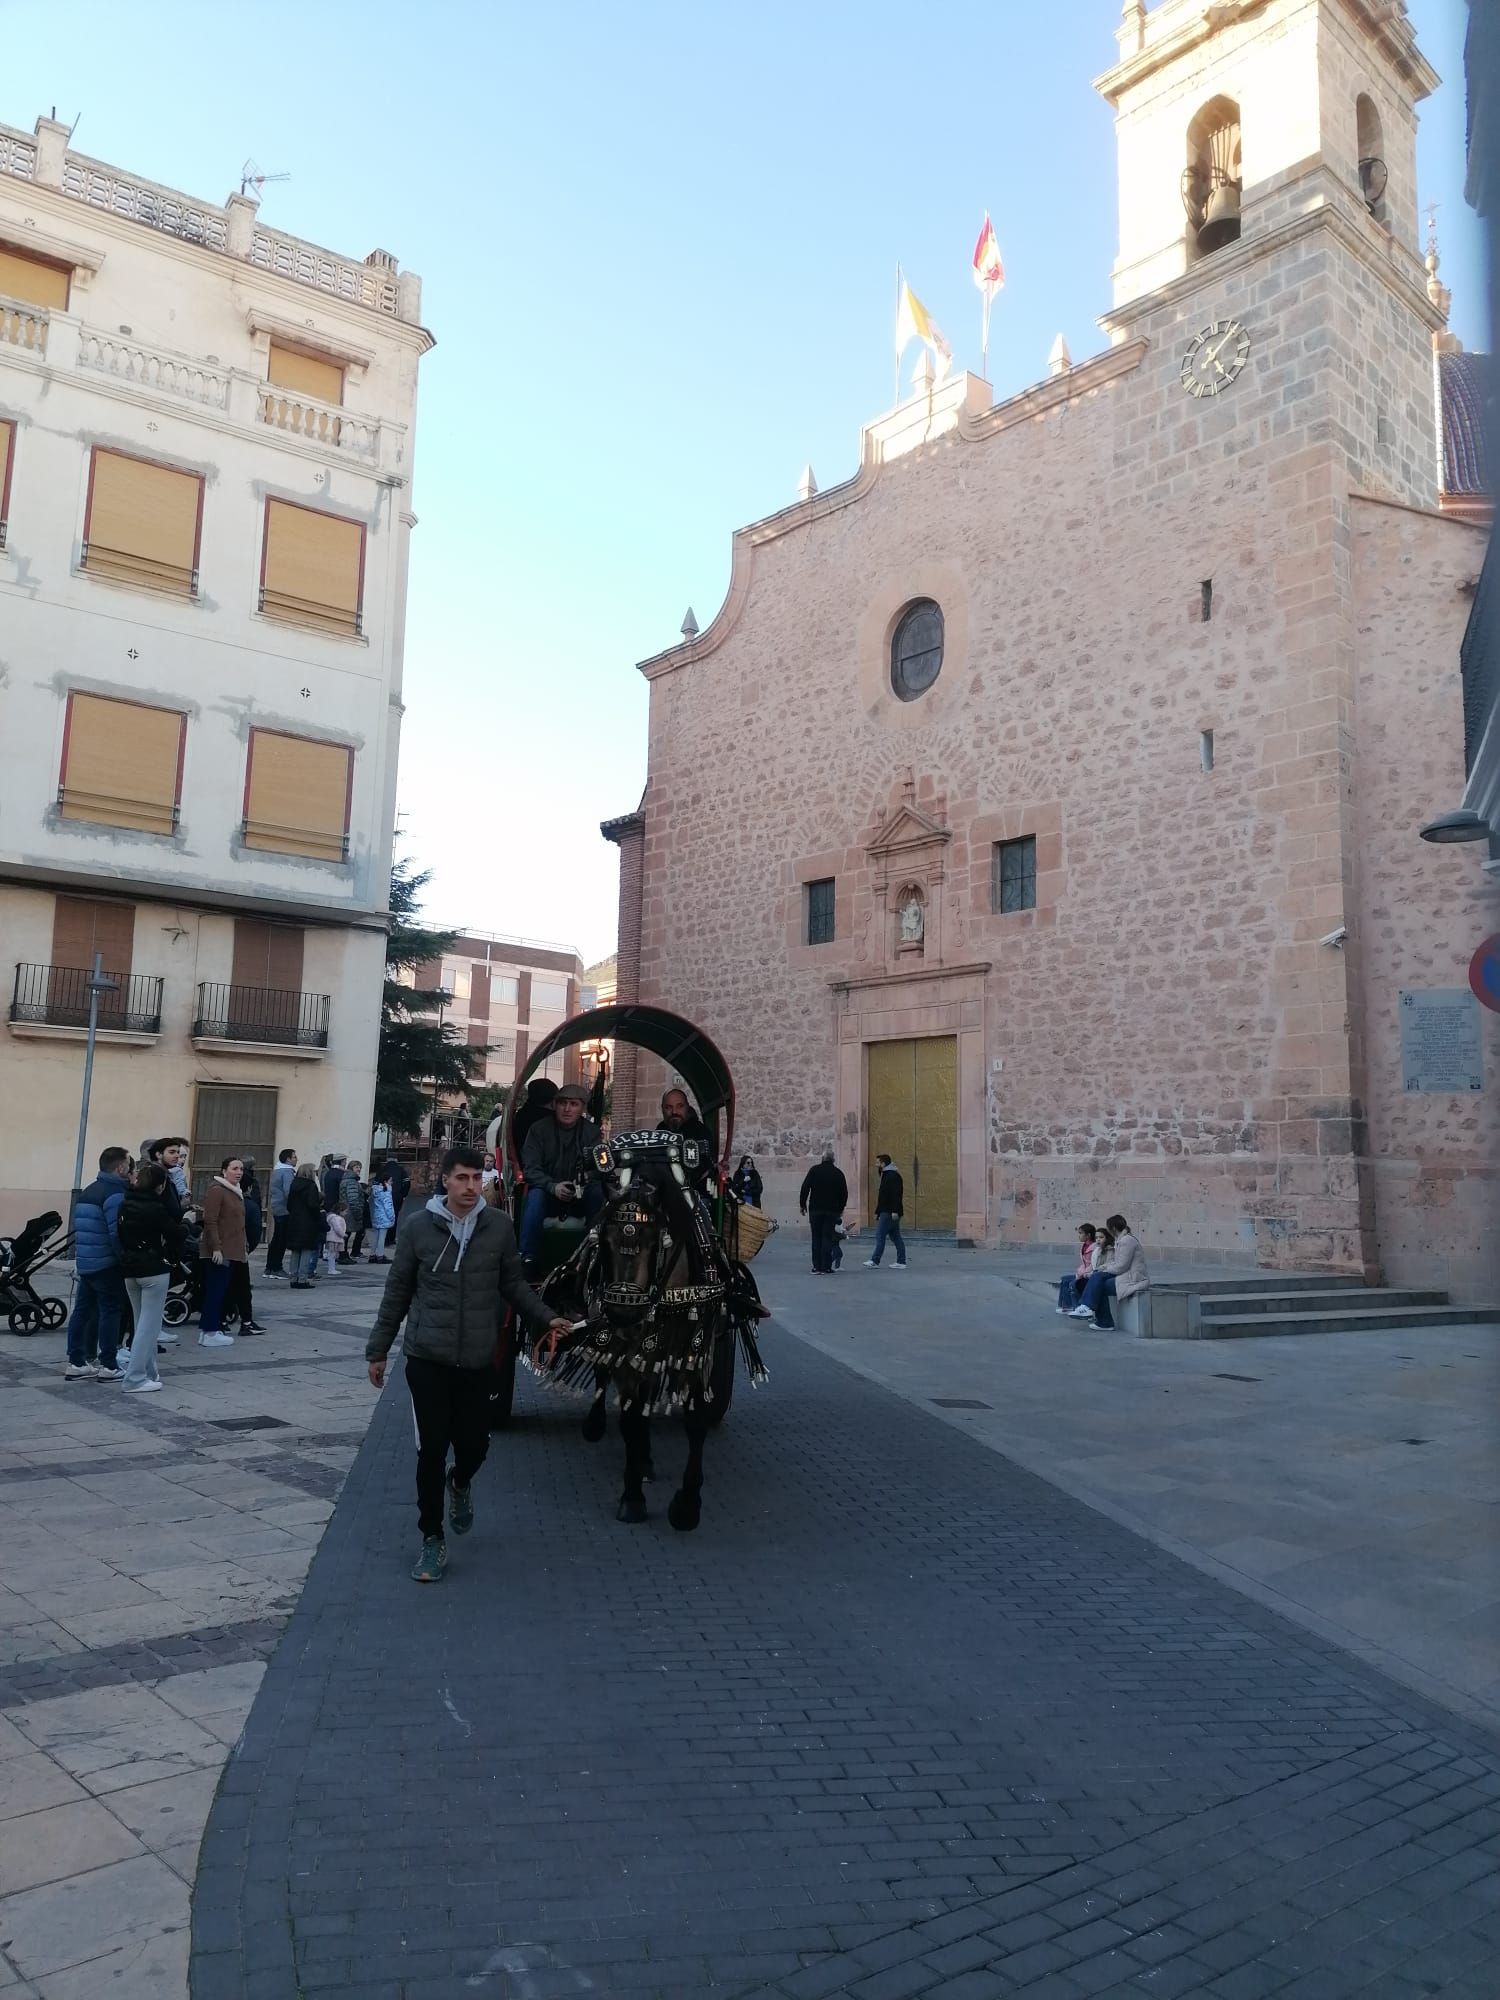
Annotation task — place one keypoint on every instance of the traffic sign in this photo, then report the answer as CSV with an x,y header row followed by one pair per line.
x,y
1484,973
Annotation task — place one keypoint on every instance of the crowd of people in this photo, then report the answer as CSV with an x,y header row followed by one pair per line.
x,y
140,1237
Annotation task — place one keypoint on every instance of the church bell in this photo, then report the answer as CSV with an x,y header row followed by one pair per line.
x,y
1221,217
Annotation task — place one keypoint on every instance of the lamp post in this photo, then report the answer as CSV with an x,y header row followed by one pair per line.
x,y
97,982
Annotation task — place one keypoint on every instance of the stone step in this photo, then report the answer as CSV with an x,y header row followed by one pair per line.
x,y
1237,1305
1352,1319
1246,1281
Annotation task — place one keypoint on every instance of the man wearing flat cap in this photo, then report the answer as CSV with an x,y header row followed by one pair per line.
x,y
555,1160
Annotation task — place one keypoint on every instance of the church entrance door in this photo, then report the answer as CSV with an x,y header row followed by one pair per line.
x,y
913,1115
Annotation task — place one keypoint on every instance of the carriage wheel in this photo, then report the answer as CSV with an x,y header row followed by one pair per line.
x,y
54,1313
503,1389
174,1312
721,1381
25,1320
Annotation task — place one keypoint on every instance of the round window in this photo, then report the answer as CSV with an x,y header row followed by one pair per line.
x,y
916,649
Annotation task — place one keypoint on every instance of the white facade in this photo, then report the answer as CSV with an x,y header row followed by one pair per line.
x,y
161,354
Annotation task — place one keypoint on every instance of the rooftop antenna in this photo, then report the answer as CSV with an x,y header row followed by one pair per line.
x,y
252,176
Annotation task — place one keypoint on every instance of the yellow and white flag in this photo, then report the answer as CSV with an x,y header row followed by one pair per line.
x,y
915,322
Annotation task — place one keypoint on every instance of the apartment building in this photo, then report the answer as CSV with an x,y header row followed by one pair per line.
x,y
508,993
206,432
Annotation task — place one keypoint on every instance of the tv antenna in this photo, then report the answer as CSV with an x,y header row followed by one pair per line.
x,y
253,176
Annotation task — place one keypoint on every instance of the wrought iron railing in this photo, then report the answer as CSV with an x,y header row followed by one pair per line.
x,y
304,611
177,579
57,996
262,1014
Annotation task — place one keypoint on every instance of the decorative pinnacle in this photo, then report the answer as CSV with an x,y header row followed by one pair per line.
x,y
807,486
1060,360
689,625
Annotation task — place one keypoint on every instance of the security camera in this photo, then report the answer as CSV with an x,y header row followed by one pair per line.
x,y
1335,939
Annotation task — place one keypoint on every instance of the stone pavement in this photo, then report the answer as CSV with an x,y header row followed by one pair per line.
x,y
902,1718
1350,1480
151,1559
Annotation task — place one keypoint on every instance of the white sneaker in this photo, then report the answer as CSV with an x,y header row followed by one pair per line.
x,y
216,1340
166,1340
143,1388
871,1265
112,1374
1081,1312
898,1265
79,1371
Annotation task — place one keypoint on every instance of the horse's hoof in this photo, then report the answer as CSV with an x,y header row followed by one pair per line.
x,y
633,1511
685,1511
594,1423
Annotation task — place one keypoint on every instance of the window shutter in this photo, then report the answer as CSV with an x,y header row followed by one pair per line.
x,y
267,956
143,523
33,282
304,373
312,567
120,766
231,1119
298,795
479,993
81,926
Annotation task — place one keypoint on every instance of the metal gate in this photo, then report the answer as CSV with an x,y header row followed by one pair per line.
x,y
913,1115
230,1118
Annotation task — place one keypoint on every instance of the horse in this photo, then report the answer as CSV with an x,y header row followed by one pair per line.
x,y
653,1295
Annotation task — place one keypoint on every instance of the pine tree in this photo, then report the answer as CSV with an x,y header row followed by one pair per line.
x,y
419,1051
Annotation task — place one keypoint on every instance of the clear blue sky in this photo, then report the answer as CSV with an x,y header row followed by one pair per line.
x,y
657,245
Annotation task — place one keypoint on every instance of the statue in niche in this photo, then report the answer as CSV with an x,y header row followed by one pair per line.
x,y
913,921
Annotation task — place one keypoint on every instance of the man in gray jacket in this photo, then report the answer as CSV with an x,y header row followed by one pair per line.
x,y
455,1261
282,1175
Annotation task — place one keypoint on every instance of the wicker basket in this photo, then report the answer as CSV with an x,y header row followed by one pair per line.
x,y
754,1226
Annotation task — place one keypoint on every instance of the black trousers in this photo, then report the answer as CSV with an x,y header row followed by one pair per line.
x,y
237,1299
276,1250
451,1408
824,1242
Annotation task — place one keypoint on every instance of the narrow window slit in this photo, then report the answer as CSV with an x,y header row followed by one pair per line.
x,y
1206,748
1206,598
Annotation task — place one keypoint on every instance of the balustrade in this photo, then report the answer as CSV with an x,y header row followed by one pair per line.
x,y
23,326
371,285
152,368
17,154
320,423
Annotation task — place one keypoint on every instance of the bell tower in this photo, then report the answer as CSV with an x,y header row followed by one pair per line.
x,y
1234,118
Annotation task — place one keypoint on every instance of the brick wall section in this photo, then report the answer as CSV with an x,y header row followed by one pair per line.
x,y
1175,1042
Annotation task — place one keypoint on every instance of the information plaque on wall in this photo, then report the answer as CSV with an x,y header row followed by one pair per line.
x,y
1440,1045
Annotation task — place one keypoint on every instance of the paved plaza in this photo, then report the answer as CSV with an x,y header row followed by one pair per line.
x,y
907,1715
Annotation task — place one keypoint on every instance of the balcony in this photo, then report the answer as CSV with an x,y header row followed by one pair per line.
x,y
263,1018
54,999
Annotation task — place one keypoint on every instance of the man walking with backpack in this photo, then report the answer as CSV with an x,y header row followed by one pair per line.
x,y
456,1261
888,1210
823,1198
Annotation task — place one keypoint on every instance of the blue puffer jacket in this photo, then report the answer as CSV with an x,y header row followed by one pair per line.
x,y
96,1225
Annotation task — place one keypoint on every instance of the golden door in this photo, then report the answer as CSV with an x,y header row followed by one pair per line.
x,y
913,1116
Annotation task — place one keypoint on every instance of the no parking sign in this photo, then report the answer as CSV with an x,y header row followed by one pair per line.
x,y
1484,973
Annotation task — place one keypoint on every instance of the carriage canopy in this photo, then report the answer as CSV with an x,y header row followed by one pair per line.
x,y
677,1043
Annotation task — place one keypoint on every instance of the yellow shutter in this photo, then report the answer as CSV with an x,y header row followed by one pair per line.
x,y
121,764
312,567
32,282
323,380
143,522
298,795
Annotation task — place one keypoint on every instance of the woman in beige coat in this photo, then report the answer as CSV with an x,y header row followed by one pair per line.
x,y
224,1246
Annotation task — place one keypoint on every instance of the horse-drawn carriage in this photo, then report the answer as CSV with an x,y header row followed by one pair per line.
x,y
658,1280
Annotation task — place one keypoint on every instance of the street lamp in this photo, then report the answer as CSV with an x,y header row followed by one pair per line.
x,y
1451,828
97,982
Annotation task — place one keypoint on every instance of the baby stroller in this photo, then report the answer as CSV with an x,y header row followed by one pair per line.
x,y
184,1300
21,1257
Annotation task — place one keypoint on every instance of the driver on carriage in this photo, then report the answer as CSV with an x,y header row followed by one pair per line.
x,y
555,1162
678,1115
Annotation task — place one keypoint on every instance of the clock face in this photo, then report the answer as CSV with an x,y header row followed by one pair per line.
x,y
1215,358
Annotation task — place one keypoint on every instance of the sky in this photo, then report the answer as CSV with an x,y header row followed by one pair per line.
x,y
658,248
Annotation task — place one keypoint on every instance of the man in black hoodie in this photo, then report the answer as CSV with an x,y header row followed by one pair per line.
x,y
824,1197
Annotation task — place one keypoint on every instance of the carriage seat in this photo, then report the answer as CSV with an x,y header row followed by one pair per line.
x,y
561,1237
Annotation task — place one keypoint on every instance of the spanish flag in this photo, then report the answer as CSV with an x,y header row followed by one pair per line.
x,y
915,322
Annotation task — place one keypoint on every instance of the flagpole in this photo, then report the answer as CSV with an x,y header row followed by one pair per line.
x,y
984,338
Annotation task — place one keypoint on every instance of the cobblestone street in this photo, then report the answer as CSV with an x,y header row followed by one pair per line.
x,y
901,1718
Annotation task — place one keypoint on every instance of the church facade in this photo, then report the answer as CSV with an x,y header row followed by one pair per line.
x,y
1042,805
